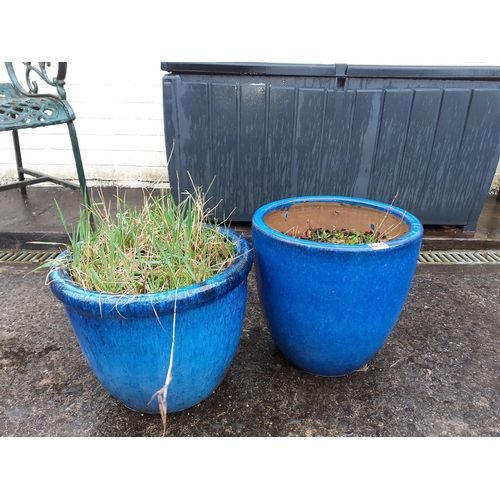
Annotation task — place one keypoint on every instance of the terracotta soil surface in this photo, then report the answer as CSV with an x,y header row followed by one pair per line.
x,y
344,223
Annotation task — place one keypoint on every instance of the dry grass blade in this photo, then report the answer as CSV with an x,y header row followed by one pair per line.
x,y
161,394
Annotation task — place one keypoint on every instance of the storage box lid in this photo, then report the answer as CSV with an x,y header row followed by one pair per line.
x,y
337,70
265,69
426,72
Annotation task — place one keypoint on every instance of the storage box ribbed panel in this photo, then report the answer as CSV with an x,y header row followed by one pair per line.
x,y
427,139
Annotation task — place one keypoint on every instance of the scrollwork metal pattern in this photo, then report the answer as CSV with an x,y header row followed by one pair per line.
x,y
29,113
24,107
30,73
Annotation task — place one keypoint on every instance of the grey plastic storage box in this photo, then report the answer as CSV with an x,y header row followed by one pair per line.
x,y
425,138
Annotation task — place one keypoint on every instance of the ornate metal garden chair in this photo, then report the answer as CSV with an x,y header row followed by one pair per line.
x,y
23,107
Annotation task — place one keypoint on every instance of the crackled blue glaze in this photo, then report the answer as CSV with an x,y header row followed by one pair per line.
x,y
330,308
126,339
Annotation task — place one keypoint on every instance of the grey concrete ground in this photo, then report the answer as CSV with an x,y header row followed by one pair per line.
x,y
437,375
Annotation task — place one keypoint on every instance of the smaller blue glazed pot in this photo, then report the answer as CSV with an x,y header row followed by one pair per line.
x,y
127,339
331,307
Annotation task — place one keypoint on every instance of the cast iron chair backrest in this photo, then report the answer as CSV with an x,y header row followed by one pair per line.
x,y
32,86
23,107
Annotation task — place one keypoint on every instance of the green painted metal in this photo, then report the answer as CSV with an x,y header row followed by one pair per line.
x,y
22,107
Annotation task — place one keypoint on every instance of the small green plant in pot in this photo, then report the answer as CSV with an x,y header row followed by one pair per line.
x,y
156,298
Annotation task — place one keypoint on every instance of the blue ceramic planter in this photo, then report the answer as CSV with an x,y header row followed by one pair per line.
x,y
331,307
126,339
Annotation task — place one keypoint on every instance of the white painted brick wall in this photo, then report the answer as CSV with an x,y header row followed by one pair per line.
x,y
119,122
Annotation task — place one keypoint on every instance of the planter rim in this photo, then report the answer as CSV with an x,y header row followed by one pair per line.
x,y
123,305
415,226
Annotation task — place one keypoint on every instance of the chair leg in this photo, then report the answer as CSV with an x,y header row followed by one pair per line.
x,y
79,164
19,160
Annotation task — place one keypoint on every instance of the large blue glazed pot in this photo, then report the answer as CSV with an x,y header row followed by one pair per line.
x,y
331,307
127,339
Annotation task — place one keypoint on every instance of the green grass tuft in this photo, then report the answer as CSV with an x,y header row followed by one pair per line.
x,y
163,246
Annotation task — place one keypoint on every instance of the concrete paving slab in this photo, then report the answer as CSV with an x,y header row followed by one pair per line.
x,y
438,374
35,218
